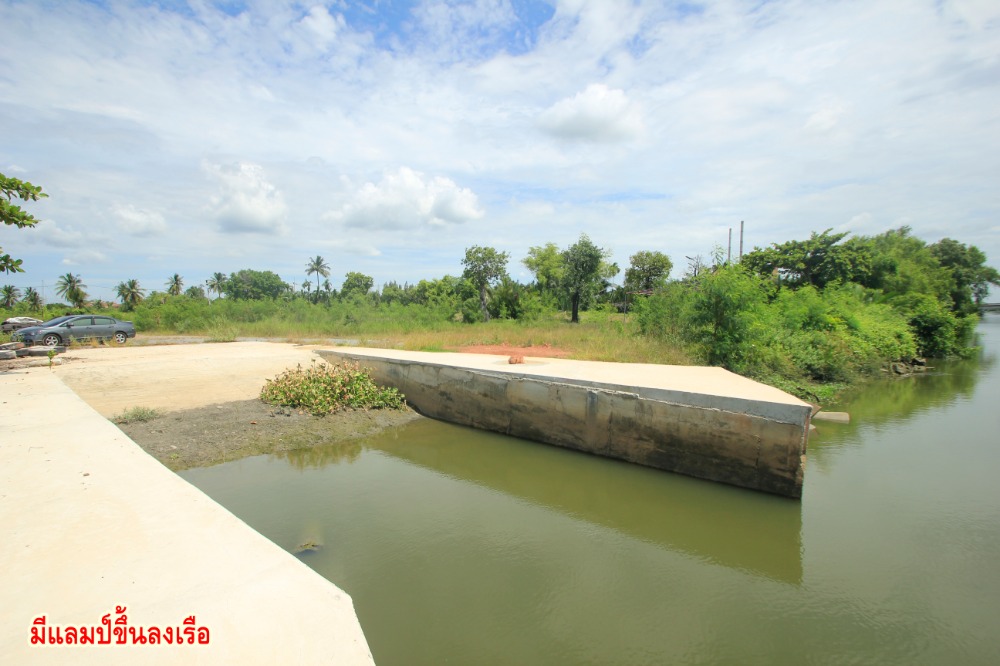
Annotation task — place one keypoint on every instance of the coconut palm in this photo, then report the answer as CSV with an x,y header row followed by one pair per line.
x,y
9,295
318,266
32,299
130,293
216,283
71,287
175,284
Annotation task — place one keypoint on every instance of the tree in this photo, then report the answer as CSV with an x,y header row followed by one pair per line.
x,y
9,295
175,284
130,293
216,283
356,283
970,278
13,215
582,277
483,267
648,270
32,299
546,262
818,261
71,287
195,291
318,266
249,284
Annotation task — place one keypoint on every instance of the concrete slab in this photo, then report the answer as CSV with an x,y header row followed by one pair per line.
x,y
92,525
703,422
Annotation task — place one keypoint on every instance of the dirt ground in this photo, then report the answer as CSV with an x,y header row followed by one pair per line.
x,y
206,396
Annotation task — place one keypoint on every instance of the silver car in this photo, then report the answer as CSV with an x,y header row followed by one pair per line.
x,y
63,330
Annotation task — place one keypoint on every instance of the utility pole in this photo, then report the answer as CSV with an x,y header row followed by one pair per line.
x,y
729,253
741,240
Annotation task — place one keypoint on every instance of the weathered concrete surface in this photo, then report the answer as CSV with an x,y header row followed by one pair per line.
x,y
703,422
90,522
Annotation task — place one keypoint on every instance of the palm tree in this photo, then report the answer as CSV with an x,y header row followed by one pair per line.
x,y
318,266
71,287
175,284
32,299
131,294
216,283
9,295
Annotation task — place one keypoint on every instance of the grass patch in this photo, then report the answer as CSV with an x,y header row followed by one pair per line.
x,y
135,415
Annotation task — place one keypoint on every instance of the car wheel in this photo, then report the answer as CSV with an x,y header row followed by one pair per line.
x,y
52,340
121,338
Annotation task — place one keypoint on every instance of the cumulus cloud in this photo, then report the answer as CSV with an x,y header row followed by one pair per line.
x,y
139,222
598,113
246,201
405,199
321,26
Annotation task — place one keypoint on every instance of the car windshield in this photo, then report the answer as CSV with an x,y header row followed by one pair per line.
x,y
56,321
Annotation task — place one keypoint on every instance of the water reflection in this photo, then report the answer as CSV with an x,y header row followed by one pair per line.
x,y
716,523
318,457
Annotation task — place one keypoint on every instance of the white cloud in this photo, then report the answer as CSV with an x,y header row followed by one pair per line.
x,y
407,199
246,201
137,222
85,258
322,26
598,113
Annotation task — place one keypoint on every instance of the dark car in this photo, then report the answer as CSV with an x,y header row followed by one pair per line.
x,y
63,330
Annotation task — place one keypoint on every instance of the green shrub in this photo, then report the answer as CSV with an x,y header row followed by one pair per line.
x,y
323,389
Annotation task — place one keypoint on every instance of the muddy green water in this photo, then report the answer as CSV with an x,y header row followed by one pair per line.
x,y
461,547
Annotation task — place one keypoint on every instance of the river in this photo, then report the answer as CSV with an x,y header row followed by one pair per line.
x,y
466,547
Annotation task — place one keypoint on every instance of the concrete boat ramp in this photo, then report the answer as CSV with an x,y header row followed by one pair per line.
x,y
100,538
703,422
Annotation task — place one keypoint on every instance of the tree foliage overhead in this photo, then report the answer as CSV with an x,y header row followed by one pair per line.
x,y
582,275
484,266
14,215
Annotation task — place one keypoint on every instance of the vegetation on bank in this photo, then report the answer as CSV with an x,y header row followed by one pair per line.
x,y
323,389
809,316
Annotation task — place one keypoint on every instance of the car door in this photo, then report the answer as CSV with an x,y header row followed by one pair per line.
x,y
104,327
80,327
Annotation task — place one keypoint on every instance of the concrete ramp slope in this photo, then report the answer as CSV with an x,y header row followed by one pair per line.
x,y
97,534
703,422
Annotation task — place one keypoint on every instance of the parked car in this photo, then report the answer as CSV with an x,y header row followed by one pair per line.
x,y
14,323
63,330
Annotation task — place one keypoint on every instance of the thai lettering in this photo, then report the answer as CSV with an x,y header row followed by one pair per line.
x,y
117,632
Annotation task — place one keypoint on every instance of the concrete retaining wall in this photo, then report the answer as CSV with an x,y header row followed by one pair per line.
x,y
731,436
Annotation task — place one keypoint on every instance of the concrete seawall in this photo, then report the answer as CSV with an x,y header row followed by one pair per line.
x,y
702,422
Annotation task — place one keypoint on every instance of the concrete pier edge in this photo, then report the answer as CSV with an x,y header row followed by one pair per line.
x,y
703,422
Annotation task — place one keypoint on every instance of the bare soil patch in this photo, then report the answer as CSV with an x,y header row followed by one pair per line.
x,y
219,433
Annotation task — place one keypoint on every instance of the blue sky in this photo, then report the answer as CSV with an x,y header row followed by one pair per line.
x,y
196,136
